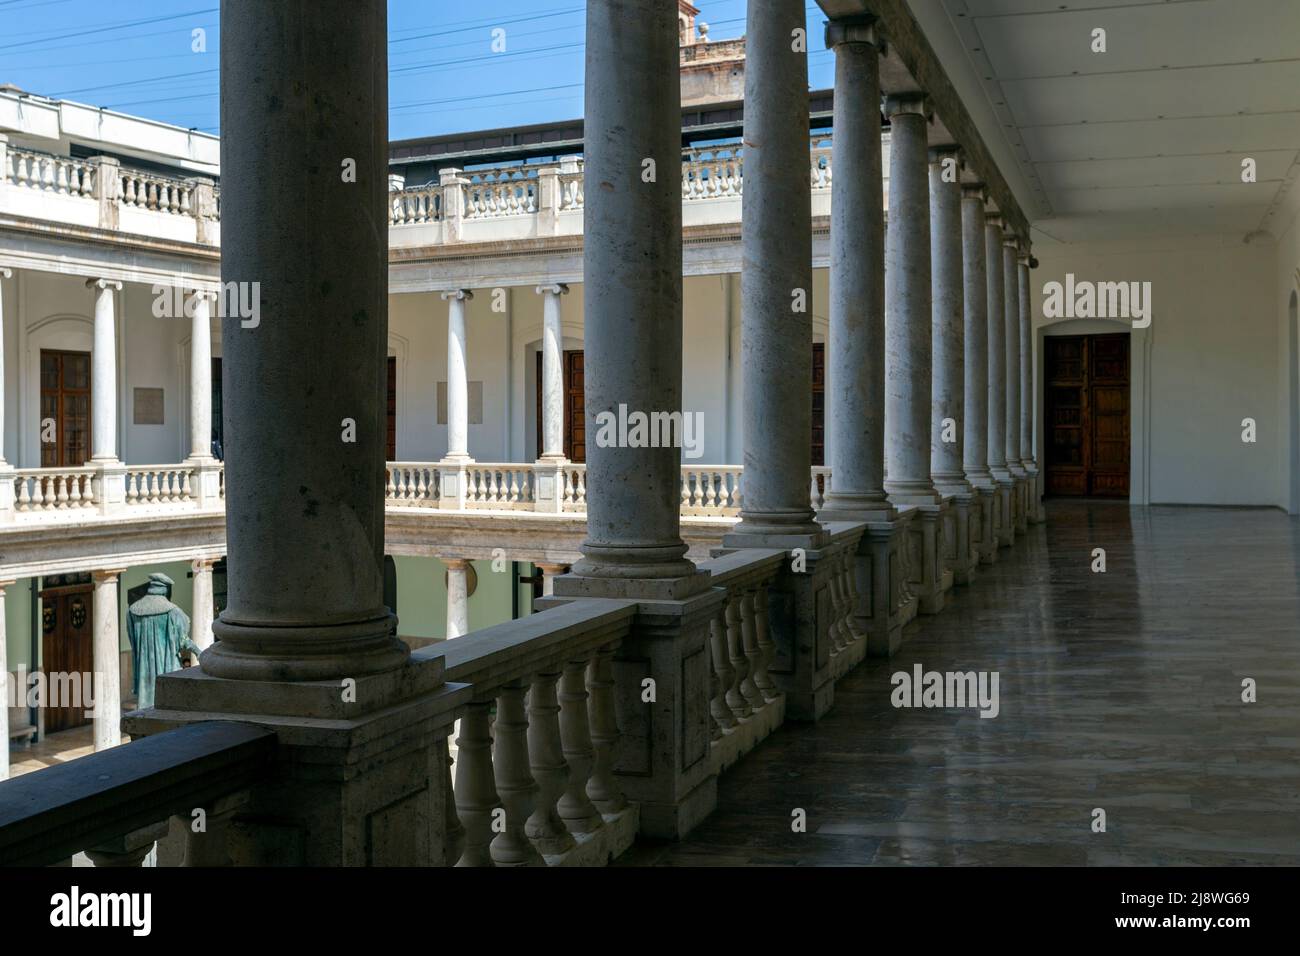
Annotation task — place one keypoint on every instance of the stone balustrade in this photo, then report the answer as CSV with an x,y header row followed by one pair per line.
x,y
55,494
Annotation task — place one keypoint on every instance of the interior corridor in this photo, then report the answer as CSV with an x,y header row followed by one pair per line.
x,y
1119,690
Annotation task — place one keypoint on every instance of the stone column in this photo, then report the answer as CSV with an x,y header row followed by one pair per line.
x,y
305,458
107,655
997,391
201,377
457,597
548,482
457,377
856,347
948,379
5,584
1011,316
201,618
6,469
103,381
359,774
948,391
907,306
1035,511
552,410
4,274
632,264
776,282
975,460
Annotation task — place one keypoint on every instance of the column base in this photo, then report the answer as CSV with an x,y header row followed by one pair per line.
x,y
359,771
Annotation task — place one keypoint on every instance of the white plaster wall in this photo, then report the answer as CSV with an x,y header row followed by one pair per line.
x,y
1287,289
1213,346
153,353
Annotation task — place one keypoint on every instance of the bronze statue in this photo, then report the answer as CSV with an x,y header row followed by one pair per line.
x,y
159,632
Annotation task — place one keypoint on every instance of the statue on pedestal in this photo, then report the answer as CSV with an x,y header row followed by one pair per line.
x,y
159,633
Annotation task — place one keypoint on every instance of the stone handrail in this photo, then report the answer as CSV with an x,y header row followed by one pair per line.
x,y
152,191
116,803
159,484
499,486
538,785
49,173
45,490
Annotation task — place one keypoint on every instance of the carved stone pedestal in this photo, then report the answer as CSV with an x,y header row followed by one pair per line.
x,y
360,765
963,527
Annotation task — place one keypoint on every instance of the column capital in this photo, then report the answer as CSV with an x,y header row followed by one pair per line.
x,y
944,151
106,575
978,191
5,584
993,219
456,564
104,284
865,30
911,102
6,273
1010,239
193,292
458,294
555,288
203,564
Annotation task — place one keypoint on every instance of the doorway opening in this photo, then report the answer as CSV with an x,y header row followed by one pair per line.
x,y
1087,414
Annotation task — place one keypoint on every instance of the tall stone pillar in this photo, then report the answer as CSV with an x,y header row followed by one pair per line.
x,y
457,376
1011,316
201,377
552,410
6,469
111,473
997,404
548,483
5,584
106,648
908,360
975,460
856,345
1034,511
776,283
907,306
457,597
202,616
359,773
948,351
632,264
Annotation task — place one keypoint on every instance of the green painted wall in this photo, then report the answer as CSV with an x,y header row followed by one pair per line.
x,y
18,624
422,597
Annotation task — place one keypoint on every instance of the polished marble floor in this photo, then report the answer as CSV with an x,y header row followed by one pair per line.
x,y
1118,690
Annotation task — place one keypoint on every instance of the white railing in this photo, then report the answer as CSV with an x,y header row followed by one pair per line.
x,y
43,490
419,204
499,486
706,490
58,174
159,484
411,483
141,190
491,194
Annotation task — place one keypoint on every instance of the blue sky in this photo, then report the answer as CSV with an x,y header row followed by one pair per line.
x,y
136,57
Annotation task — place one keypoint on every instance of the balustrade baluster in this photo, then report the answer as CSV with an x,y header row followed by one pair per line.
x,y
763,637
737,696
60,492
546,758
723,675
476,793
453,839
575,807
514,779
603,788
752,654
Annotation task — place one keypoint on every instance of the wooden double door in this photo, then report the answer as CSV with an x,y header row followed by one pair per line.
x,y
1086,406
67,648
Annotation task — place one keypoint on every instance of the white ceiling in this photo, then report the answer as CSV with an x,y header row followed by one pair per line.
x,y
1145,139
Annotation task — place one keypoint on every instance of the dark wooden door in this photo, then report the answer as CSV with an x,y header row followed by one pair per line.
x,y
574,401
819,404
67,649
1087,415
218,430
65,398
392,410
